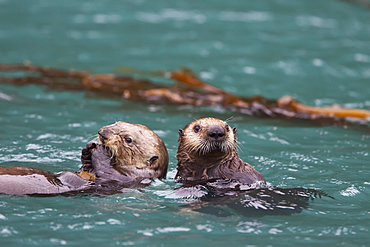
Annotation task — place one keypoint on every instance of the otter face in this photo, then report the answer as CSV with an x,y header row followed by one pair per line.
x,y
207,135
135,149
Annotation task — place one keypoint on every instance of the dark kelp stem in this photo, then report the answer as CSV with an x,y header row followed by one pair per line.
x,y
190,91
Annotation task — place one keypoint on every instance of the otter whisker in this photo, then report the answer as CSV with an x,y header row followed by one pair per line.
x,y
112,150
94,138
205,149
239,146
229,119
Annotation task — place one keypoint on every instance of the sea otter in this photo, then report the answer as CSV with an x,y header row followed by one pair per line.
x,y
208,150
126,155
213,174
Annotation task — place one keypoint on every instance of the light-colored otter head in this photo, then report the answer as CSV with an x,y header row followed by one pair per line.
x,y
208,137
207,150
136,149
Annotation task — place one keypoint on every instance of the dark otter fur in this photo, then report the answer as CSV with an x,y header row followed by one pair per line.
x,y
208,150
213,174
128,154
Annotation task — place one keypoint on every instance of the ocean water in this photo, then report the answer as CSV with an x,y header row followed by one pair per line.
x,y
315,51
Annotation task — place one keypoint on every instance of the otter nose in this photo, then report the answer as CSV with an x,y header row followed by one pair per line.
x,y
104,134
101,135
216,132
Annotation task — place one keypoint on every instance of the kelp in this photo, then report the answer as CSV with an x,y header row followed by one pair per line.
x,y
188,90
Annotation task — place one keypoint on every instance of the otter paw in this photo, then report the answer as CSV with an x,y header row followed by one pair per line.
x,y
101,157
86,154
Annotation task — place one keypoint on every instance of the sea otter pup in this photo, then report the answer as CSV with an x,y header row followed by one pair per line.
x,y
127,154
207,150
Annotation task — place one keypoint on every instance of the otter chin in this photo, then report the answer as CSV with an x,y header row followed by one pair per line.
x,y
208,150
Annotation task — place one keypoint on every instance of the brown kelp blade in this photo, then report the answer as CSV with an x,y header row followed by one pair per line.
x,y
191,91
187,77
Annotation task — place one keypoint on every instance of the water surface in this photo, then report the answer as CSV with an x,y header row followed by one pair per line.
x,y
316,51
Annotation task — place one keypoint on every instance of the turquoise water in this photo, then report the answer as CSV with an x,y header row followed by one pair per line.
x,y
316,51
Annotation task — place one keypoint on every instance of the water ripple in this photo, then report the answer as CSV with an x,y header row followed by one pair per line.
x,y
172,14
251,16
350,191
316,21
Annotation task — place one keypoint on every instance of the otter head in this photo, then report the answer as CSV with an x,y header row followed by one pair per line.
x,y
206,138
136,150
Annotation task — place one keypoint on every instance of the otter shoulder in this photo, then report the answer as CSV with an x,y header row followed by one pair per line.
x,y
241,171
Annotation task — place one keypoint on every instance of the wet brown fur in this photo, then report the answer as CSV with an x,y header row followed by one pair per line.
x,y
136,150
127,152
202,157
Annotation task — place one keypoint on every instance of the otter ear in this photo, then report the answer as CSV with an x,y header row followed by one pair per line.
x,y
234,130
181,132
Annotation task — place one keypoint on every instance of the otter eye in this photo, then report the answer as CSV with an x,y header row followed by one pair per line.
x,y
196,128
227,128
128,139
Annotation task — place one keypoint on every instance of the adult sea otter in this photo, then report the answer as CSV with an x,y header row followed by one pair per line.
x,y
213,174
207,150
126,155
